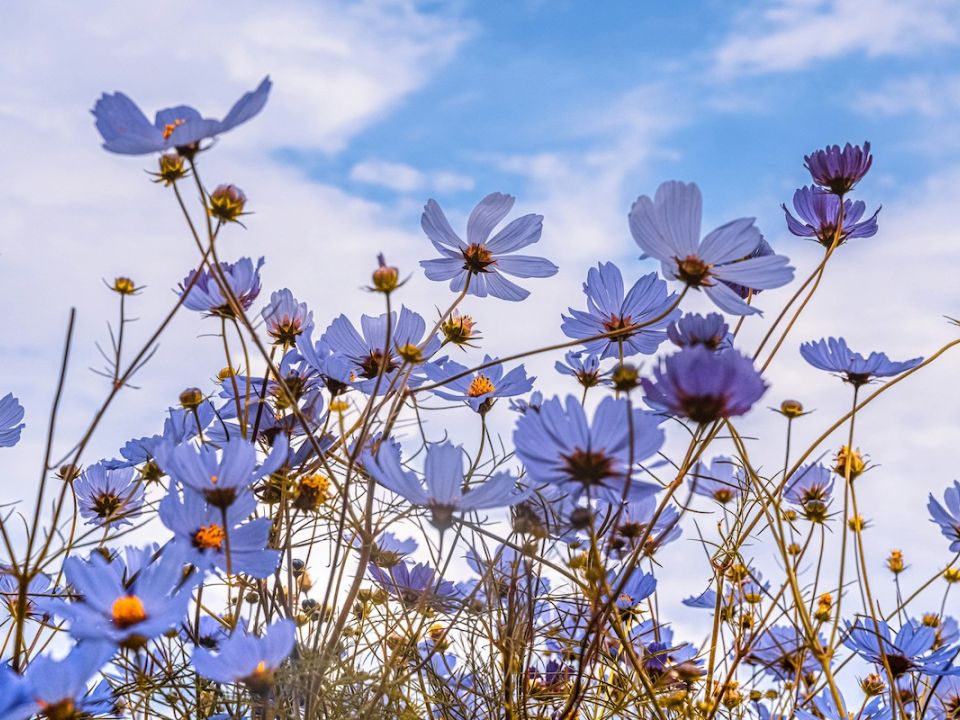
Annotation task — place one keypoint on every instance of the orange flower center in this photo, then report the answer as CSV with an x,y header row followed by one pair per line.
x,y
128,610
210,537
481,385
170,127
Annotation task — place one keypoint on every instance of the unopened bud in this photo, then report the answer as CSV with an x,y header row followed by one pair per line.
x,y
385,277
227,203
191,398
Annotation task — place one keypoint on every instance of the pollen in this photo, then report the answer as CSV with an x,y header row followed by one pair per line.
x,y
210,537
214,478
481,385
128,610
170,127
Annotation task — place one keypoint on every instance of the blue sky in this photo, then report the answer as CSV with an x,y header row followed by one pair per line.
x,y
577,108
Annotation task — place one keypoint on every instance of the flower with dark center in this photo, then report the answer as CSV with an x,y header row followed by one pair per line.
x,y
833,355
732,257
286,319
703,385
636,317
911,650
243,279
482,259
721,480
819,213
442,490
838,170
559,446
246,658
709,330
109,497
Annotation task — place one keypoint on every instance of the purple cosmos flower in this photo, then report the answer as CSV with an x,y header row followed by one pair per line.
x,y
179,426
286,319
481,388
839,170
634,523
388,550
126,613
709,330
833,355
366,351
559,446
221,481
810,483
202,536
826,709
637,588
126,130
59,688
584,367
40,586
948,518
662,655
913,649
109,497
667,228
243,279
783,652
481,260
11,413
519,405
442,491
819,213
945,702
248,659
703,385
417,587
608,310
721,480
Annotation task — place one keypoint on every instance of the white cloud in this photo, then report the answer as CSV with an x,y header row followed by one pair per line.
x,y
789,35
405,178
930,96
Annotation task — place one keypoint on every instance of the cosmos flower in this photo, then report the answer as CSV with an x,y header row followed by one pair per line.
x,y
220,481
637,588
826,709
948,518
559,446
126,130
709,330
109,497
248,659
482,259
519,405
721,480
39,586
945,700
704,386
179,426
609,310
15,700
442,490
366,351
286,319
782,651
126,613
60,688
584,367
911,650
838,170
634,523
11,413
663,657
819,213
388,550
479,389
243,279
417,587
203,537
810,483
667,228
833,355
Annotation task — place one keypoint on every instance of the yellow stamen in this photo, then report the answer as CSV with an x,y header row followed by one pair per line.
x,y
128,610
170,127
210,537
481,385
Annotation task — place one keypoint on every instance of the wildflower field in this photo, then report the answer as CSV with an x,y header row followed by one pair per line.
x,y
388,516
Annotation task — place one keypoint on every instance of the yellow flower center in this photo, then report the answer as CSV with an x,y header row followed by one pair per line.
x,y
170,127
210,537
128,610
214,478
481,385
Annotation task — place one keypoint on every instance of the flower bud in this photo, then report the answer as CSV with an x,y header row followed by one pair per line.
x,y
791,408
68,472
895,562
124,286
857,464
952,574
458,329
171,169
625,377
385,277
873,685
227,203
191,398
